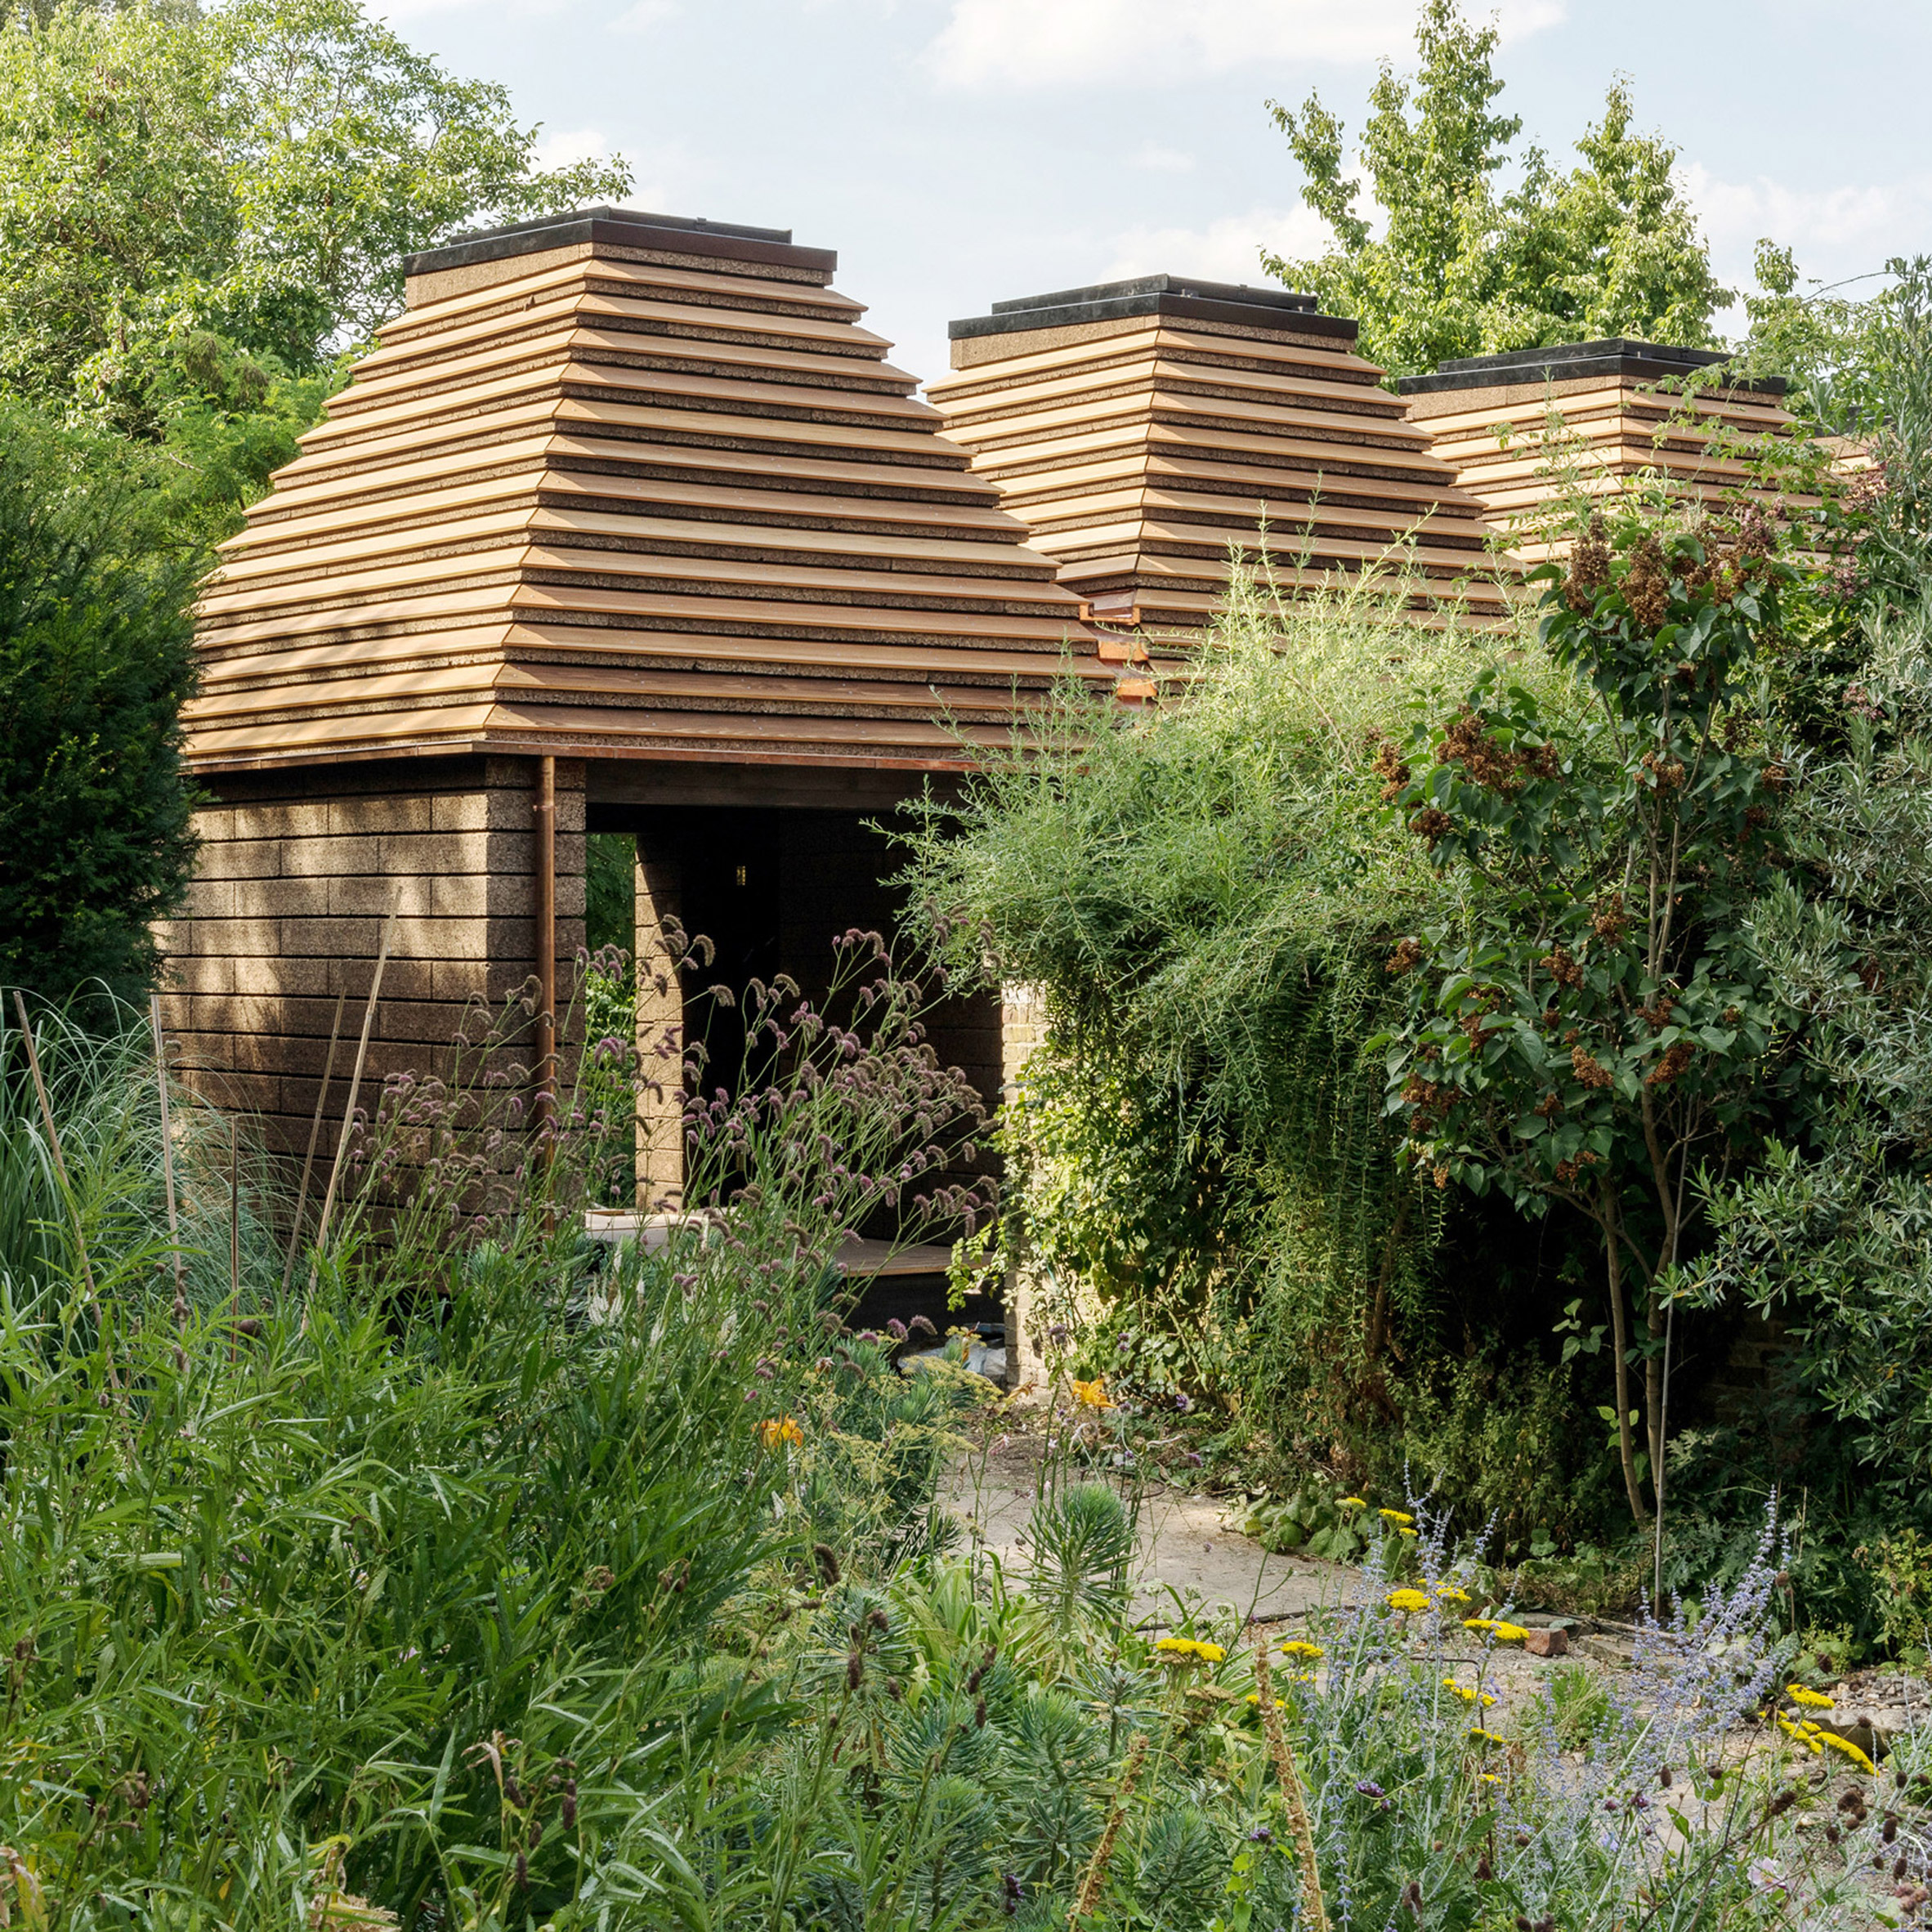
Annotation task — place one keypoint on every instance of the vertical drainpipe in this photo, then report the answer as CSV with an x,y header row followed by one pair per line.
x,y
545,814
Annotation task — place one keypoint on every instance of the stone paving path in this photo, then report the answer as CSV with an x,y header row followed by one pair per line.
x,y
1187,1554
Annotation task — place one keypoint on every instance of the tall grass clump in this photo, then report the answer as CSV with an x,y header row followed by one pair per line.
x,y
425,1583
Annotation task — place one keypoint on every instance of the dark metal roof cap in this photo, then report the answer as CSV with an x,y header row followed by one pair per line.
x,y
1615,355
623,227
1186,297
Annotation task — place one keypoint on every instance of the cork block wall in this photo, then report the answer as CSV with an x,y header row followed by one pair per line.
x,y
299,870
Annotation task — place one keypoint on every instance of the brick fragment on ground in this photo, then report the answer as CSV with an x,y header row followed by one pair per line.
x,y
1549,1642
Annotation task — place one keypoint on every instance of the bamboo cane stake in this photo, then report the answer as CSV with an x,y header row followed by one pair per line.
x,y
341,1143
174,1230
308,1160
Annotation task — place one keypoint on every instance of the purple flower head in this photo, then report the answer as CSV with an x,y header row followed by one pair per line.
x,y
1368,1788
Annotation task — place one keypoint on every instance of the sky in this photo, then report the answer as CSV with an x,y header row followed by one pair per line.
x,y
958,152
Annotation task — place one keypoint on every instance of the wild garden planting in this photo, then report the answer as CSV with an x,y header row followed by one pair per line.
x,y
1480,1135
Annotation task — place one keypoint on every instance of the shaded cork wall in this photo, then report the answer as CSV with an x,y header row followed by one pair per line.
x,y
298,872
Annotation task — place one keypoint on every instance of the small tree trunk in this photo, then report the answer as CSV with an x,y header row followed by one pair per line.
x,y
1620,1338
1653,1392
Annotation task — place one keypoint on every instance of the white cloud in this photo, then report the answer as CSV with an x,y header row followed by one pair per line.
x,y
573,144
1228,250
1833,231
1163,160
642,16
1022,43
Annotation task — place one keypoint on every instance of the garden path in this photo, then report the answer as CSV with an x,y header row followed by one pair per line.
x,y
1186,1553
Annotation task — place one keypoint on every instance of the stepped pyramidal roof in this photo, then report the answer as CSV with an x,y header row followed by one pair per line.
x,y
618,484
1142,430
1529,427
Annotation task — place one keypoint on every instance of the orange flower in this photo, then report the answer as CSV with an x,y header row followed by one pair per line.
x,y
783,1431
1093,1393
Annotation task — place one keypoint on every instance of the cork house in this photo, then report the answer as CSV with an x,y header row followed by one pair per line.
x,y
627,525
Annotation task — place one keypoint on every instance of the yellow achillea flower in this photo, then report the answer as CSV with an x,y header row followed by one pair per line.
x,y
1794,1732
1408,1601
1803,1694
1487,1736
1092,1394
1508,1632
1451,1592
1254,1698
1354,1502
1489,1778
783,1430
1396,1516
1190,1647
1478,1623
1299,1647
1845,1748
1468,1695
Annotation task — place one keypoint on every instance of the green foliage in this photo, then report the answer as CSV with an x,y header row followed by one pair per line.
x,y
610,892
1464,268
255,174
1591,1019
94,662
1827,1235
1206,898
489,1583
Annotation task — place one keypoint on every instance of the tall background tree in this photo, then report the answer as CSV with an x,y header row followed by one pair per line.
x,y
202,214
1463,266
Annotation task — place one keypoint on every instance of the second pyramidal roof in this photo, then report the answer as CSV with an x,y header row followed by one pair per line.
x,y
1143,429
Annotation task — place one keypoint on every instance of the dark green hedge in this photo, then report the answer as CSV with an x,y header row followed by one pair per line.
x,y
95,661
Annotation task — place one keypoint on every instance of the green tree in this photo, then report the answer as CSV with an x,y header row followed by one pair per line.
x,y
256,172
1592,1022
94,662
1610,249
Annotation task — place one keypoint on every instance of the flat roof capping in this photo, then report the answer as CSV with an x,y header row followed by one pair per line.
x,y
1182,296
1615,355
621,227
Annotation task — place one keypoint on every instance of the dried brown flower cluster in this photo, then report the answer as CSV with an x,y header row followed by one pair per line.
x,y
1647,583
1677,1057
1589,1070
1429,1101
1590,569
1390,768
1667,774
1495,768
1432,824
1610,921
1405,958
1563,967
